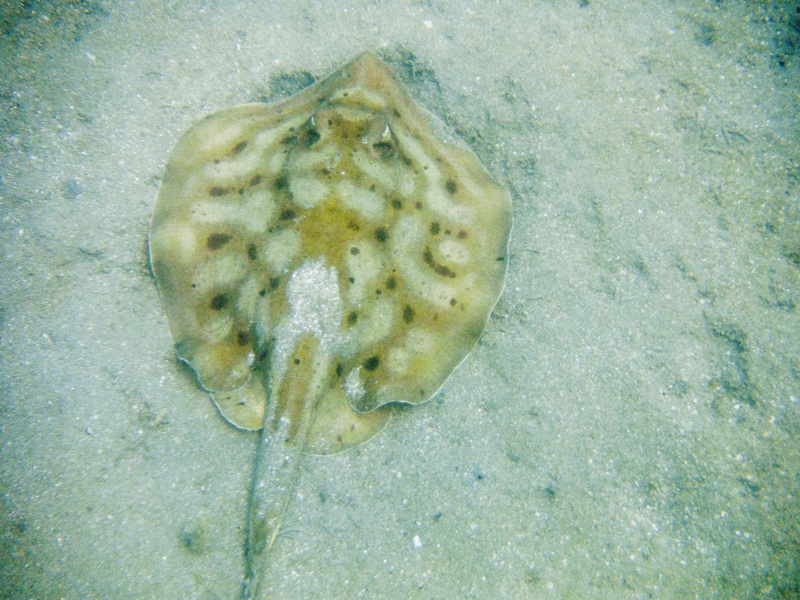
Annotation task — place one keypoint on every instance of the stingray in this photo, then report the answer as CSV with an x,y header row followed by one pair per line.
x,y
322,259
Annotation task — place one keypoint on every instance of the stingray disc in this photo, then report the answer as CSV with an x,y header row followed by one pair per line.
x,y
347,182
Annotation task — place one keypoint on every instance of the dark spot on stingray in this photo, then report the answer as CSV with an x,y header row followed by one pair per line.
x,y
288,214
381,234
262,353
462,235
453,301
418,205
438,268
309,137
252,252
297,361
352,318
372,363
262,292
353,226
219,301
274,282
280,182
408,314
351,279
243,338
339,369
397,204
391,283
238,148
216,191
256,179
354,251
385,150
450,186
434,228
217,240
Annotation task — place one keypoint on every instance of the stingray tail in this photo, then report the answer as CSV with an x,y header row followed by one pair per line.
x,y
274,478
290,415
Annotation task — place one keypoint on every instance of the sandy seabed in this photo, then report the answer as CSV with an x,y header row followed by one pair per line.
x,y
627,427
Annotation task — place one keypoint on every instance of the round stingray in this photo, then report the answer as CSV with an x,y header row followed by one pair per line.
x,y
349,177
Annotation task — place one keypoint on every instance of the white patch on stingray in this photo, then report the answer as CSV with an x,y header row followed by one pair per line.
x,y
315,308
353,386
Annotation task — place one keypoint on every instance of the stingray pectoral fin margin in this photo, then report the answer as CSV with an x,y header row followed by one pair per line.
x,y
243,407
337,427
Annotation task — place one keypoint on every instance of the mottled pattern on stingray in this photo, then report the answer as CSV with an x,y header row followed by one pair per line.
x,y
348,171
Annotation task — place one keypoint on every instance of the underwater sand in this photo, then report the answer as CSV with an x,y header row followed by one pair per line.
x,y
628,425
